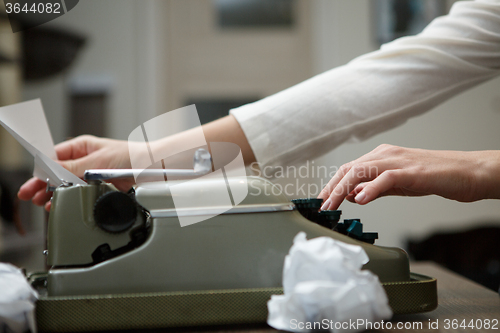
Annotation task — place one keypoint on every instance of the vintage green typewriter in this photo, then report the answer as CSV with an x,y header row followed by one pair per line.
x,y
142,260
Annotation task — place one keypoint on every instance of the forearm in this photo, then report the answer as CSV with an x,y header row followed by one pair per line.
x,y
488,173
225,129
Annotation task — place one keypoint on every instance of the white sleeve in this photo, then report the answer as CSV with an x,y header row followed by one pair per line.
x,y
376,91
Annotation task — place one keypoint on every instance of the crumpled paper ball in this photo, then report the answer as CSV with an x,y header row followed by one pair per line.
x,y
324,287
17,300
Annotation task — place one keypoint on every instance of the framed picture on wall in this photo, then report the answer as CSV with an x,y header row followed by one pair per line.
x,y
255,13
398,18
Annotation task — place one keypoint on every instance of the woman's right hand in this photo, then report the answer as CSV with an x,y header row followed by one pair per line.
x,y
77,155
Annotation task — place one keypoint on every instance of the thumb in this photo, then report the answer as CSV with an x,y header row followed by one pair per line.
x,y
77,166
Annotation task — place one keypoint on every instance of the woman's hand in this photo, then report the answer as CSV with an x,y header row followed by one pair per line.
x,y
90,152
77,155
391,170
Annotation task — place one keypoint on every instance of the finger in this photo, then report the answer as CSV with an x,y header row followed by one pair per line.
x,y
79,165
41,197
375,155
357,174
327,190
359,188
30,188
350,197
389,182
48,204
74,148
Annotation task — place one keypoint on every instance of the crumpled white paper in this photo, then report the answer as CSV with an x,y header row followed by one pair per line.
x,y
325,288
17,300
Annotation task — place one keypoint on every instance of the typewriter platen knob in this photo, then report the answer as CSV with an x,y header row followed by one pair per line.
x,y
115,212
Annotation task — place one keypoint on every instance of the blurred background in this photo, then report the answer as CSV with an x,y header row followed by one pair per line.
x,y
107,66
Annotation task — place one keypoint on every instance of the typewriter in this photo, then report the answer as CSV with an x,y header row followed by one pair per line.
x,y
141,259
205,249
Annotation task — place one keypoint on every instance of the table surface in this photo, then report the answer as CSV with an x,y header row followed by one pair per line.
x,y
460,301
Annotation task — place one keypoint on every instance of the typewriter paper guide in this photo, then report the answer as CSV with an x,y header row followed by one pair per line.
x,y
27,123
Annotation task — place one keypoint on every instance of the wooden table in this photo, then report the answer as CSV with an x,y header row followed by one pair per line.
x,y
460,300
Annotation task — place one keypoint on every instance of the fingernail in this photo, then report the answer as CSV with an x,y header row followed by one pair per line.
x,y
326,204
360,197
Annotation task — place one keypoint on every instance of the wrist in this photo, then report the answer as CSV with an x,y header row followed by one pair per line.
x,y
487,174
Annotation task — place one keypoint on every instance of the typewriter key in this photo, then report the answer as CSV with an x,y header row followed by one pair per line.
x,y
329,218
308,207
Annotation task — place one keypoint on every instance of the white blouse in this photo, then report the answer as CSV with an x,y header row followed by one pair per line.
x,y
376,91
